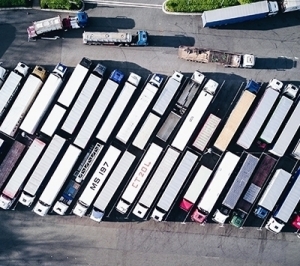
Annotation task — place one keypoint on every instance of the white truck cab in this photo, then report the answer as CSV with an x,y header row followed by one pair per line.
x,y
96,215
5,202
275,84
41,208
122,206
22,69
211,86
134,79
290,91
219,217
26,199
248,61
274,226
80,209
273,8
198,77
157,215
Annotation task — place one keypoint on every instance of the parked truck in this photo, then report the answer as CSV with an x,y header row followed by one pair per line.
x,y
168,126
23,101
215,187
239,13
139,177
272,193
116,38
159,177
3,74
40,28
111,186
289,5
195,114
179,177
224,58
206,132
296,151
11,86
195,188
168,92
237,115
53,120
289,93
146,131
75,82
98,109
287,134
10,161
118,108
258,180
70,192
236,189
57,180
12,189
38,175
260,114
285,208
83,99
44,99
96,182
139,108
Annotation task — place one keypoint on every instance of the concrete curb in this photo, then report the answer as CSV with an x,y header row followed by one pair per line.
x,y
177,13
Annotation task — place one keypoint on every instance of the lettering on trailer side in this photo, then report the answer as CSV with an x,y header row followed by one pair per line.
x,y
87,162
97,180
141,173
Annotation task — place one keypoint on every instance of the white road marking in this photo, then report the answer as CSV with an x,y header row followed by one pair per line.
x,y
126,4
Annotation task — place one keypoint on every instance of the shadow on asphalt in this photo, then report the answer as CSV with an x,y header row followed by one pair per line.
x,y
8,35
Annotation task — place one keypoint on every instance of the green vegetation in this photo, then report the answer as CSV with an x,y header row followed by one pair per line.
x,y
201,5
14,3
61,4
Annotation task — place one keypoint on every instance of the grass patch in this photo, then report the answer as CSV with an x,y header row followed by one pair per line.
x,y
202,5
15,3
61,4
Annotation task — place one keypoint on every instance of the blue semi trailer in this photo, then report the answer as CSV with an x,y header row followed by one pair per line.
x,y
241,13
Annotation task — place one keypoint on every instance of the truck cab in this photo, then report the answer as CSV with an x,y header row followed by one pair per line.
x,y
41,208
248,61
21,69
122,206
274,226
5,202
116,76
261,212
290,91
80,209
238,219
141,38
157,215
199,217
211,86
275,84
26,199
96,215
273,8
82,19
198,77
156,80
221,215
60,70
134,79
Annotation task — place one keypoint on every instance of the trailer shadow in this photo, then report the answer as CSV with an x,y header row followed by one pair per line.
x,y
270,23
170,41
110,24
280,63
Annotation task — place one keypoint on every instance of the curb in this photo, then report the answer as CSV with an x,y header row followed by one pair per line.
x,y
177,13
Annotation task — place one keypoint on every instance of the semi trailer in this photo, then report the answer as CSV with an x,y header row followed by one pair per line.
x,y
224,58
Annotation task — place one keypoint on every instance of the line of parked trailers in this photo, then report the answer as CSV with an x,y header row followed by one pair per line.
x,y
61,145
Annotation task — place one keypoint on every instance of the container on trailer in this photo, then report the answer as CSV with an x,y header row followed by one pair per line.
x,y
74,82
168,126
146,131
287,134
116,111
10,161
11,86
215,187
57,180
11,190
53,119
177,180
237,115
99,108
168,93
136,113
35,180
206,132
44,99
156,182
111,186
23,101
96,182
272,193
83,99
195,188
138,178
296,151
260,114
236,189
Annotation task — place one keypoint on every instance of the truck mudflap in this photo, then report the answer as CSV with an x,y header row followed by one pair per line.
x,y
96,215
